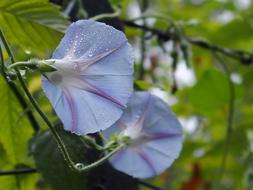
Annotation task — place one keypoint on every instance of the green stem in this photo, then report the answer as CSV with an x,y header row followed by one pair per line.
x,y
21,64
143,7
100,161
13,86
18,171
63,149
229,122
91,142
36,106
156,16
100,134
116,13
148,185
81,11
245,57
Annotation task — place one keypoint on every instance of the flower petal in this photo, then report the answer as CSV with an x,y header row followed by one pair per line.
x,y
118,87
119,62
87,38
100,57
164,118
80,111
131,162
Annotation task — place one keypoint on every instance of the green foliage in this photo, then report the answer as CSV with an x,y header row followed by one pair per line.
x,y
33,25
15,133
15,130
210,93
34,28
142,85
51,164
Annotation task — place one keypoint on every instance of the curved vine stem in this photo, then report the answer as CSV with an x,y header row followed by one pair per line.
x,y
245,57
33,170
13,86
18,171
148,185
230,118
76,167
116,13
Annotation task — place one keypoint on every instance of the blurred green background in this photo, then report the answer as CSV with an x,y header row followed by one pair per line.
x,y
200,87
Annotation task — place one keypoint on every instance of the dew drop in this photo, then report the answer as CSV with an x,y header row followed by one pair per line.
x,y
79,166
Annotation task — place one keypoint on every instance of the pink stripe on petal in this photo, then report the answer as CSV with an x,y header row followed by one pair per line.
x,y
158,151
73,111
89,61
91,88
159,136
84,85
146,159
137,127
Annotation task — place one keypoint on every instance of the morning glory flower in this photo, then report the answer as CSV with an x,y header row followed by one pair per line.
x,y
93,81
155,137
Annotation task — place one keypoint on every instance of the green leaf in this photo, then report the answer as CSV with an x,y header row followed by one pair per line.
x,y
142,85
21,182
210,93
15,133
15,129
50,163
34,25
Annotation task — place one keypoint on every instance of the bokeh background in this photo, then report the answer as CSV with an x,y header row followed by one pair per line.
x,y
210,92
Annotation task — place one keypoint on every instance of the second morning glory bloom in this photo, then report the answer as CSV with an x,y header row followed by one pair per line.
x,y
155,137
93,81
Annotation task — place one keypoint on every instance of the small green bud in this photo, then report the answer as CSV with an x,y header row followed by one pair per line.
x,y
46,66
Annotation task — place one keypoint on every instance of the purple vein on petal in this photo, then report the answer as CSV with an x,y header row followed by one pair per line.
x,y
159,151
91,88
160,135
146,159
97,58
140,121
58,98
91,111
105,54
72,108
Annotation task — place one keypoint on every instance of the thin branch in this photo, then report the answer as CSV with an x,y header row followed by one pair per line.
x,y
14,87
148,185
62,147
33,170
143,7
229,122
116,13
161,34
18,171
245,57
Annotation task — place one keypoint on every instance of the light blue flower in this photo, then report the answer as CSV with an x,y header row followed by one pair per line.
x,y
155,137
93,81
